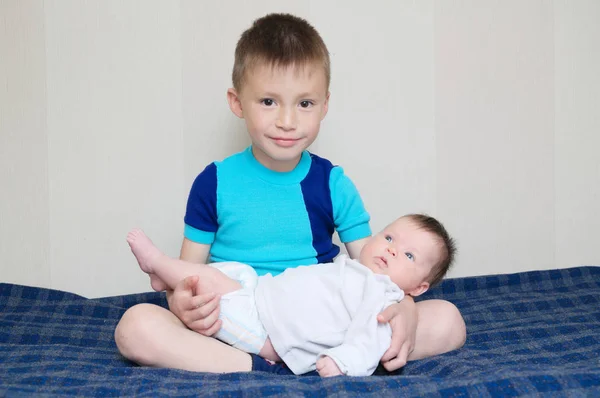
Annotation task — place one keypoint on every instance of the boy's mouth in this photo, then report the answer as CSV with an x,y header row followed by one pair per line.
x,y
285,142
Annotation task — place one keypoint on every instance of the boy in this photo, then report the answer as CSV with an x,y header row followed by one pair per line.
x,y
272,206
333,329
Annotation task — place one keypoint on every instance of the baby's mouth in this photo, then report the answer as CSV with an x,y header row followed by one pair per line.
x,y
381,261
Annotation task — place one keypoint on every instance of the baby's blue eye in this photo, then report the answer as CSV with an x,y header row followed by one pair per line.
x,y
388,238
267,102
410,256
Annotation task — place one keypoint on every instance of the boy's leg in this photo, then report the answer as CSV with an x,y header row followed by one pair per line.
x,y
151,335
172,271
440,329
164,270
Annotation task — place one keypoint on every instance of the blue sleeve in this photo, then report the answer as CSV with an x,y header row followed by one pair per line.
x,y
349,215
201,212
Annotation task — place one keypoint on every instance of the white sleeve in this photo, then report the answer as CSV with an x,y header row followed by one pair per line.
x,y
365,342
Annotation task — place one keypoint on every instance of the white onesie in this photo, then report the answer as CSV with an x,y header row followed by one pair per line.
x,y
310,311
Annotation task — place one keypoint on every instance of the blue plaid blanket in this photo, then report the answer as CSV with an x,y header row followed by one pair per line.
x,y
531,333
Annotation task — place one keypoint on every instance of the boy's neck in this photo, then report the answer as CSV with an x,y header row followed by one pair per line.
x,y
280,166
294,176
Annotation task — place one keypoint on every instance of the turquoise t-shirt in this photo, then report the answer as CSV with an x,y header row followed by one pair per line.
x,y
274,220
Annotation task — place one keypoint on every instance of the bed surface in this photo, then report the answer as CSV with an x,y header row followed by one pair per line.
x,y
530,333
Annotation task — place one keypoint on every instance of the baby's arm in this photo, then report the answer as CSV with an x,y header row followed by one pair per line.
x,y
326,367
364,343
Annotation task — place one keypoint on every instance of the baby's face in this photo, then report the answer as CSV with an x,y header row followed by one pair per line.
x,y
405,253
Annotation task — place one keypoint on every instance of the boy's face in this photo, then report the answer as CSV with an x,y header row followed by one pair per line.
x,y
404,252
283,109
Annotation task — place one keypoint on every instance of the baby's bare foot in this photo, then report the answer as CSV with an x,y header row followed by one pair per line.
x,y
143,249
147,256
157,283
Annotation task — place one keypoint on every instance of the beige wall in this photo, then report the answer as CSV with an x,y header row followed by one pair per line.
x,y
479,112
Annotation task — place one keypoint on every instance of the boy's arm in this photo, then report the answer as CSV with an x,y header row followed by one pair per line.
x,y
352,224
198,312
354,248
403,319
349,214
441,329
194,252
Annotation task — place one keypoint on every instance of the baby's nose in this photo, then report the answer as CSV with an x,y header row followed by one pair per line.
x,y
391,251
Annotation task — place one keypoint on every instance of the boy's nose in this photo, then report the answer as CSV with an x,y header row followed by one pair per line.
x,y
392,251
286,119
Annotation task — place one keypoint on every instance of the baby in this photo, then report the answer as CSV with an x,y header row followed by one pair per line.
x,y
321,316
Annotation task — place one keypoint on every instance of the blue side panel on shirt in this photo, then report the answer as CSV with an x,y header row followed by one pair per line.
x,y
201,211
317,199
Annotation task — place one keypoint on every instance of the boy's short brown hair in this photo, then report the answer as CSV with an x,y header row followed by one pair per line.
x,y
279,40
447,244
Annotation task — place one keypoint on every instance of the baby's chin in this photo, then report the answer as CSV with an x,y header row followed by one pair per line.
x,y
372,266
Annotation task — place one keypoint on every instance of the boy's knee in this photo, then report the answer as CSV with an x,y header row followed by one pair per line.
x,y
457,330
444,323
133,332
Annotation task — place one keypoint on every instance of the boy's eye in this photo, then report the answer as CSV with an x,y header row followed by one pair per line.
x,y
410,256
388,238
306,104
267,102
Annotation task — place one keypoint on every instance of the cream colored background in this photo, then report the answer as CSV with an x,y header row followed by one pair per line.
x,y
482,113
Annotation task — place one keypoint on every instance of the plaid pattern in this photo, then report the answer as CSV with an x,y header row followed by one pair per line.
x,y
531,333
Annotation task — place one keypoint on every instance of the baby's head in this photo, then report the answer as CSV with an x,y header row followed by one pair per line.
x,y
279,41
415,251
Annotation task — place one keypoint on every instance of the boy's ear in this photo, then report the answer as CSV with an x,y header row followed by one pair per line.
x,y
235,104
422,288
326,106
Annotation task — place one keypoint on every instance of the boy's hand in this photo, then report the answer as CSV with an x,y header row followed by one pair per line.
x,y
326,367
403,319
200,313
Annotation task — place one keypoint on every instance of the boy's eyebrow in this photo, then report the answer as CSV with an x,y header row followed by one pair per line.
x,y
268,94
305,95
308,94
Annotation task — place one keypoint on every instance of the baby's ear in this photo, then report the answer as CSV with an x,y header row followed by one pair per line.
x,y
422,288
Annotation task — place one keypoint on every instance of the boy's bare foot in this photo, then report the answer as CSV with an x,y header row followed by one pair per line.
x,y
146,254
